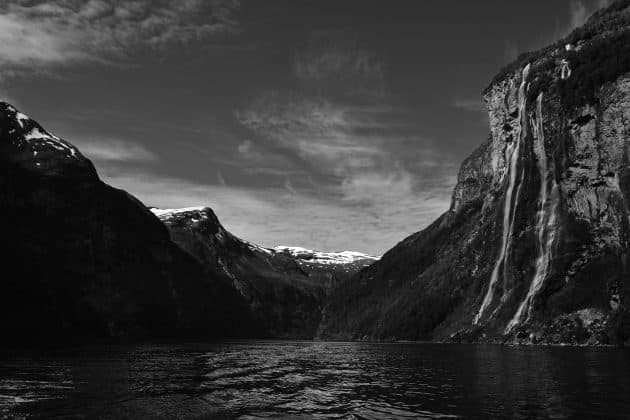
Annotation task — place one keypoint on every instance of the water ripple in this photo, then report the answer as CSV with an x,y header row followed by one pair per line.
x,y
261,380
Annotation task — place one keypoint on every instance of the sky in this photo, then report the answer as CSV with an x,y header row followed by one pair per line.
x,y
331,125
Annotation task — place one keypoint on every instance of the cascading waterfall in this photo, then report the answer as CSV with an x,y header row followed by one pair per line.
x,y
546,221
512,154
565,71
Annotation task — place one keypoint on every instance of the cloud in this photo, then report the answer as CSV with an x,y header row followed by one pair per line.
x,y
317,131
114,150
65,32
361,156
471,105
335,62
254,159
245,147
278,216
368,174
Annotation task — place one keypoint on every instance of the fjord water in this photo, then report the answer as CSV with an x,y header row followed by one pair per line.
x,y
288,379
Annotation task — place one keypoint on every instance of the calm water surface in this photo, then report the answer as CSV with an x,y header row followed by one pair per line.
x,y
272,379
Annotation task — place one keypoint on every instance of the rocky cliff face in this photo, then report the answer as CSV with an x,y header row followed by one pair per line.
x,y
83,259
284,288
535,244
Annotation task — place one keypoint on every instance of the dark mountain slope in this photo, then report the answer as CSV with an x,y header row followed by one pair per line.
x,y
81,258
285,288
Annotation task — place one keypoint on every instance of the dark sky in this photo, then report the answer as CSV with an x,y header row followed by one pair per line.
x,y
331,125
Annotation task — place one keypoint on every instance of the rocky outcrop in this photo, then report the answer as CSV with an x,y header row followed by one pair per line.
x,y
536,240
284,288
82,259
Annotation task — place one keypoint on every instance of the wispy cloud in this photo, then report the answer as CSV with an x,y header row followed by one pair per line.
x,y
367,157
114,150
330,136
282,216
469,104
359,150
335,62
65,32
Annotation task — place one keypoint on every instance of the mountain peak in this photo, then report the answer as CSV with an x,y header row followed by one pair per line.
x,y
27,133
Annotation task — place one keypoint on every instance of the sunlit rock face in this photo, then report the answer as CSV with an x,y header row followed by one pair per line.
x,y
534,247
284,287
81,259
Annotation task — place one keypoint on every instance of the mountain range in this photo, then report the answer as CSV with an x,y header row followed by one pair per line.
x,y
533,249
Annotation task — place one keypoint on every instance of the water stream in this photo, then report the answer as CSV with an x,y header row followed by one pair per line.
x,y
546,220
512,154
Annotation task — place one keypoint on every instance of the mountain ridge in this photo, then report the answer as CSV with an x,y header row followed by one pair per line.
x,y
285,288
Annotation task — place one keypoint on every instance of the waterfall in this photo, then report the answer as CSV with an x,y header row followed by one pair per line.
x,y
565,71
512,154
546,221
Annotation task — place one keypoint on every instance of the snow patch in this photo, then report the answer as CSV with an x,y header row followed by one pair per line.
x,y
35,135
166,213
309,255
565,72
255,247
21,118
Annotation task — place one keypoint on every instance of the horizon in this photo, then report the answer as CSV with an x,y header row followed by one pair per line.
x,y
327,128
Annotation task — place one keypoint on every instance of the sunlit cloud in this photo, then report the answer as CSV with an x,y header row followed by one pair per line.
x,y
66,32
114,150
279,216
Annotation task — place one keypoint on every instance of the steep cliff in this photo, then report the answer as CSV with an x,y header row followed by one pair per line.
x,y
535,244
82,259
284,288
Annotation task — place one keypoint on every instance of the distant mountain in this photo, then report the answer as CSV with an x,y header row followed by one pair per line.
x,y
82,259
535,245
284,287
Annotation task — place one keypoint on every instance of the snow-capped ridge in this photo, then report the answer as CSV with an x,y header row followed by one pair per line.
x,y
309,255
303,254
35,135
164,213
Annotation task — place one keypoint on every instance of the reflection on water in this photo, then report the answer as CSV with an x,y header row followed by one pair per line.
x,y
271,379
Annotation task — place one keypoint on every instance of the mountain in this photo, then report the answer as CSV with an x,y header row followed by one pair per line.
x,y
285,288
534,247
82,259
